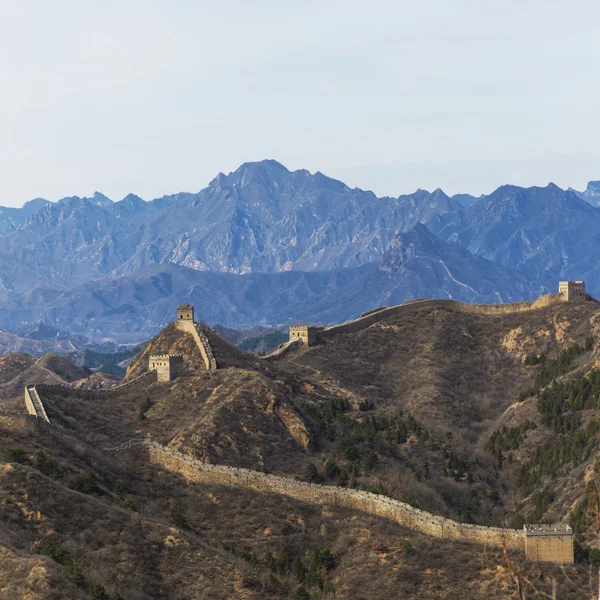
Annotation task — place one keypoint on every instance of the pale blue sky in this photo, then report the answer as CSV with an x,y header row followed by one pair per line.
x,y
157,97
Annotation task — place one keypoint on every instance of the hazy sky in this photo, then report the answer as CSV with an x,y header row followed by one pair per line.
x,y
155,97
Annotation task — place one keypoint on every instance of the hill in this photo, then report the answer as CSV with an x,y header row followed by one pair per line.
x,y
433,403
19,370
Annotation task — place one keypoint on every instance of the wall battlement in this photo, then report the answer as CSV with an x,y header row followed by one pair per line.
x,y
382,506
201,341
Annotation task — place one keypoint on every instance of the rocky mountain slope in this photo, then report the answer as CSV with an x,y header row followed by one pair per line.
x,y
417,264
264,245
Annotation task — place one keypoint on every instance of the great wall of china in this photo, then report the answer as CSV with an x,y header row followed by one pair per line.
x,y
197,471
35,406
315,335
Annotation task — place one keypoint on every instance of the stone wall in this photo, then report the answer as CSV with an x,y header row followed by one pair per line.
x,y
377,315
382,506
167,366
33,393
201,341
34,404
282,349
399,512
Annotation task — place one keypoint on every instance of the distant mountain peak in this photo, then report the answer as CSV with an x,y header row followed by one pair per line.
x,y
101,200
418,241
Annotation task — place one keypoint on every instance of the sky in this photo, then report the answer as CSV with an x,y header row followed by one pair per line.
x,y
155,97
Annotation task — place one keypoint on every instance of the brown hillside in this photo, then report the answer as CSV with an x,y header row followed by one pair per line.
x,y
406,406
146,533
19,370
12,365
454,369
63,367
172,340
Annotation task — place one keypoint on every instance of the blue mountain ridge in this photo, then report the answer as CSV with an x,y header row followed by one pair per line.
x,y
267,245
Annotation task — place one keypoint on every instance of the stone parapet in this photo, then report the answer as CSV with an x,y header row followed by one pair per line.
x,y
201,341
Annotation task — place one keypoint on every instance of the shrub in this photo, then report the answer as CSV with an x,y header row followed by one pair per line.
x,y
17,455
298,569
47,466
595,556
59,555
130,504
331,469
62,557
407,548
301,593
143,408
75,574
371,461
98,592
589,343
312,473
179,520
87,484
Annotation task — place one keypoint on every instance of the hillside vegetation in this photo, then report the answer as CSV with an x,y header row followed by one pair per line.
x,y
487,417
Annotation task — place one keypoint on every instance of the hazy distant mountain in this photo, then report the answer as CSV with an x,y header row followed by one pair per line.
x,y
546,233
260,218
591,193
465,199
132,307
309,247
11,218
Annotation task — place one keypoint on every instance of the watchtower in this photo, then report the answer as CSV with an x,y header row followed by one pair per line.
x,y
185,312
571,290
549,543
307,335
165,365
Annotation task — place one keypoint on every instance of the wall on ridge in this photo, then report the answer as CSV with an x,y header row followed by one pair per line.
x,y
397,511
201,341
377,315
282,350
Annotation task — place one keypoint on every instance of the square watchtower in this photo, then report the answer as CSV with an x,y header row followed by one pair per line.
x,y
185,312
167,366
306,335
571,290
549,543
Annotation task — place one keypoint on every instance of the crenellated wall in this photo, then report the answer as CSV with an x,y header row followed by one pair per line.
x,y
33,403
201,341
405,515
282,349
377,315
35,406
382,506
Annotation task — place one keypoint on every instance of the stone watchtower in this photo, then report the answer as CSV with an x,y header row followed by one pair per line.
x,y
185,312
167,366
549,543
571,290
304,334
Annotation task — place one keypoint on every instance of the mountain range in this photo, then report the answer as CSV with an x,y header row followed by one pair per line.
x,y
265,245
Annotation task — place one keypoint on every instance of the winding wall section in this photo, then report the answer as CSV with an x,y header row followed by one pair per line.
x,y
377,315
382,506
201,341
